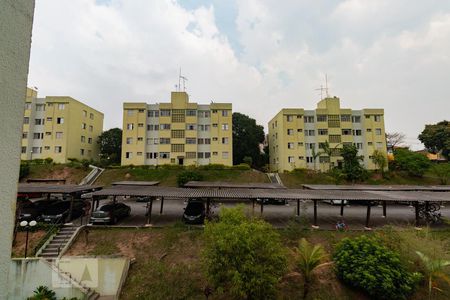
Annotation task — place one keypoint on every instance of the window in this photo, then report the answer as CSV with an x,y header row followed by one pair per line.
x,y
155,141
177,148
378,131
153,127
38,136
356,119
300,144
178,116
141,110
334,121
149,141
130,112
225,126
310,132
214,153
225,155
322,131
214,111
289,118
28,105
164,112
225,140
47,148
191,155
164,141
204,113
191,113
40,107
309,159
58,149
369,143
346,118
191,127
301,157
82,152
321,145
191,141
61,106
379,145
200,141
309,119
207,141
84,113
357,132
49,119
369,129
139,153
58,135
25,135
24,149
164,155
224,113
36,149
83,125
164,126
334,138
346,132
358,146
177,134
48,133
377,118
26,120
200,155
128,155
91,128
290,159
299,130
367,116
207,154
129,141
310,145
324,159
290,145
153,113
90,140
83,139
321,118
152,155
290,132
141,125
38,121
214,125
214,139
59,120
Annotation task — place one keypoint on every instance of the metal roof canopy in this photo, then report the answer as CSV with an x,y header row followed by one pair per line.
x,y
365,187
221,184
136,183
56,188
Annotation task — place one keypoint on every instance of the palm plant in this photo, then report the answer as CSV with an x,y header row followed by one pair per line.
x,y
435,269
315,155
328,150
310,257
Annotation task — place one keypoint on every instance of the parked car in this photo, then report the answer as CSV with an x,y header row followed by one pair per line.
x,y
59,212
266,201
31,209
110,213
335,202
195,212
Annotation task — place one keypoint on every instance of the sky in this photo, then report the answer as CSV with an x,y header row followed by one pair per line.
x,y
260,55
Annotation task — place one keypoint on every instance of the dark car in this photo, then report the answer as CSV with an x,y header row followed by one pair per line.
x,y
271,201
110,213
59,211
31,209
195,212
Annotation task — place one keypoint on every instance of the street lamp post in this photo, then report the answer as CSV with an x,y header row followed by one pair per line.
x,y
27,226
31,154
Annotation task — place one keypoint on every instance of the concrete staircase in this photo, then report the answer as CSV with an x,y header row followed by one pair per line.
x,y
52,250
274,178
92,176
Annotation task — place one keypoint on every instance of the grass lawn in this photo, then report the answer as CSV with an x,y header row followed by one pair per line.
x,y
58,171
168,260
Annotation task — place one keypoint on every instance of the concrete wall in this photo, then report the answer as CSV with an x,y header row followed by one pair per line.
x,y
16,20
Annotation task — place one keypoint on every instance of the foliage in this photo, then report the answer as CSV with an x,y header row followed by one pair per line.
x,y
309,258
395,139
337,175
48,160
415,164
241,167
352,167
434,269
436,138
380,160
110,142
247,160
366,264
186,176
24,169
43,293
442,171
243,256
247,136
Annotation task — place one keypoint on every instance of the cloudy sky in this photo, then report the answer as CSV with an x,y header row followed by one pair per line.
x,y
261,55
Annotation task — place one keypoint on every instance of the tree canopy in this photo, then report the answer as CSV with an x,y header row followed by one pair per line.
x,y
352,167
415,164
110,142
247,136
436,138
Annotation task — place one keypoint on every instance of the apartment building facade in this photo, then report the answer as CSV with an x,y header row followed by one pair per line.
x,y
297,136
59,127
179,132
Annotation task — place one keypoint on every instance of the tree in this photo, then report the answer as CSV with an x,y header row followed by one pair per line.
x,y
352,167
328,150
310,257
395,139
442,171
434,269
315,155
247,136
110,142
379,159
415,164
436,138
242,256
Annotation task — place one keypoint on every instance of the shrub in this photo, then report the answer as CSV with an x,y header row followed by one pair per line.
x,y
366,264
247,160
243,257
48,160
415,164
186,176
24,169
213,167
442,171
43,293
85,163
241,167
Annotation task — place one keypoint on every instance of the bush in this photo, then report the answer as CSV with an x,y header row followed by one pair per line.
x,y
85,163
442,171
24,170
186,176
415,164
213,167
241,167
243,257
48,160
247,160
43,293
366,264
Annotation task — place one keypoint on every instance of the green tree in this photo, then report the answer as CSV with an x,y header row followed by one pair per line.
x,y
43,293
442,171
186,176
247,136
309,258
434,269
415,164
380,160
243,257
110,142
328,150
352,167
315,155
436,138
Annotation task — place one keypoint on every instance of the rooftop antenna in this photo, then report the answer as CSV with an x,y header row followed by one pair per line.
x,y
321,89
181,77
326,86
324,89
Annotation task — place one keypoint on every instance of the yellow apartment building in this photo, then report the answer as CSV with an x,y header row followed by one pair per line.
x,y
179,133
297,136
59,127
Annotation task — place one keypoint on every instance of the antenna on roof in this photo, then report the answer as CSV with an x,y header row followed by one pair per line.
x,y
326,85
324,89
180,78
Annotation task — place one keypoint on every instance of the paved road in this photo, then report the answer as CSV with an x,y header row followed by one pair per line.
x,y
280,215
